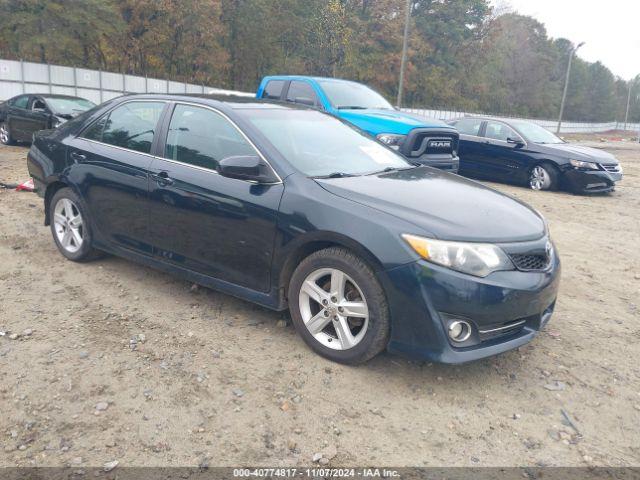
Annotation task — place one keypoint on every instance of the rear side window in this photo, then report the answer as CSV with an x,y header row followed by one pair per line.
x,y
302,92
469,126
273,89
202,137
21,102
130,126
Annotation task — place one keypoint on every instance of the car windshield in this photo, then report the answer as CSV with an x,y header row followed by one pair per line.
x,y
319,145
347,95
535,133
68,106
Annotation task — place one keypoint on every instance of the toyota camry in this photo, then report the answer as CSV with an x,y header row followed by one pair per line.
x,y
292,208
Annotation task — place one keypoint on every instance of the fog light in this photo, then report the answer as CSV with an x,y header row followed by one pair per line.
x,y
459,331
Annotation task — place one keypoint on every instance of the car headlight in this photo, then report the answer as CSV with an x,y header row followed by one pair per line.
x,y
479,259
391,139
584,165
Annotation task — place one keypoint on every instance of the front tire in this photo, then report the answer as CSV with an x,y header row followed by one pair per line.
x,y
543,177
5,134
70,227
338,306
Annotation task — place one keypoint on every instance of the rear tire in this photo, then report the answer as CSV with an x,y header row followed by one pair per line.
x,y
5,134
338,306
70,227
544,176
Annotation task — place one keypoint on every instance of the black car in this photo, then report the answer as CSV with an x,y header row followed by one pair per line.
x,y
22,116
524,153
290,207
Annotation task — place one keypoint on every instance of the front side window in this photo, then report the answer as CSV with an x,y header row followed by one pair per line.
x,y
273,90
21,102
469,126
301,92
130,126
94,132
317,144
38,104
201,137
499,131
536,133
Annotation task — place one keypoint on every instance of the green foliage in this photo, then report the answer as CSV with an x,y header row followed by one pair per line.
x,y
461,55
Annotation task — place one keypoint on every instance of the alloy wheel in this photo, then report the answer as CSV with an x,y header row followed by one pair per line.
x,y
4,134
68,225
539,179
333,308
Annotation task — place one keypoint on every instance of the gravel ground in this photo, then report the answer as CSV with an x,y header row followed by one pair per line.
x,y
111,361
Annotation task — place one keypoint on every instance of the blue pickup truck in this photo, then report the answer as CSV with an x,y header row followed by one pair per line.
x,y
422,140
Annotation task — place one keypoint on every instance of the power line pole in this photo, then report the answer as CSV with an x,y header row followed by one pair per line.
x,y
403,62
626,115
566,84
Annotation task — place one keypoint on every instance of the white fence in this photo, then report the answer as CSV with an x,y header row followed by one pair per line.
x,y
18,77
551,125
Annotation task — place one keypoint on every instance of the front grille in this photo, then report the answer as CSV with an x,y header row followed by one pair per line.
x,y
430,145
431,142
530,262
611,168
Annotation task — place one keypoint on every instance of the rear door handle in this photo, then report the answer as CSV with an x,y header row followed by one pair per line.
x,y
163,179
78,157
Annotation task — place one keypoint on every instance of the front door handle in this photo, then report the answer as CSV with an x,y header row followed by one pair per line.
x,y
78,157
163,179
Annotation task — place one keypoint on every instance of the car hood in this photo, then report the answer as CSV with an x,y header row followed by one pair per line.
x,y
389,121
578,152
68,116
442,205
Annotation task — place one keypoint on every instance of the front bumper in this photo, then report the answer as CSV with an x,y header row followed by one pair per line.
x,y
506,310
591,181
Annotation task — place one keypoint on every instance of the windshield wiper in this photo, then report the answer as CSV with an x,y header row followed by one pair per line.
x,y
336,175
392,169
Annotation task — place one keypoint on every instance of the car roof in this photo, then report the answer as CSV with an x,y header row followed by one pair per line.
x,y
307,77
54,95
234,102
485,117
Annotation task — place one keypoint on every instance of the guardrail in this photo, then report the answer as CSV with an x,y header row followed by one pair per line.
x,y
551,125
17,76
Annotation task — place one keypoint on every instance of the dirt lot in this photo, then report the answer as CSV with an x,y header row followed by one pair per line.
x,y
114,361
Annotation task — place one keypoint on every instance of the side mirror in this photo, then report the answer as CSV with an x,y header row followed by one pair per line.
x,y
40,110
517,141
246,167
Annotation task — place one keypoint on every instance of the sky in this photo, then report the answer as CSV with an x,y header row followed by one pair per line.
x,y
610,29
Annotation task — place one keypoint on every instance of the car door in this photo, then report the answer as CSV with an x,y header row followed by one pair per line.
x,y
36,117
470,145
111,160
503,158
217,226
16,118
